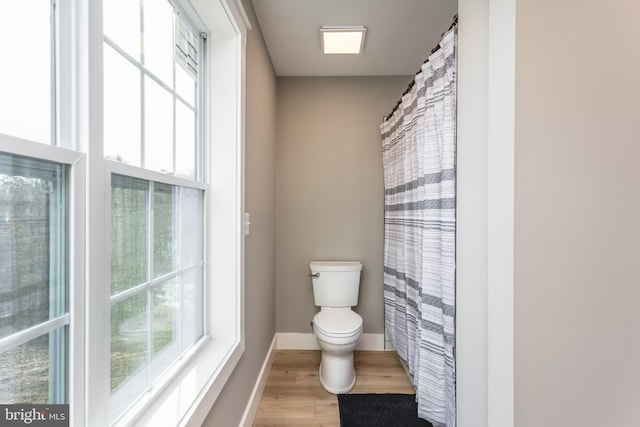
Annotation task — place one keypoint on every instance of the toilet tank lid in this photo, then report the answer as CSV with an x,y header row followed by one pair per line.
x,y
336,266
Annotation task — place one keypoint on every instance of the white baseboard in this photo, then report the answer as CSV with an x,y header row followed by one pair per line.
x,y
296,341
308,341
254,401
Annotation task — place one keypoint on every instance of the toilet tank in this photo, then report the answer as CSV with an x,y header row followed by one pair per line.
x,y
335,283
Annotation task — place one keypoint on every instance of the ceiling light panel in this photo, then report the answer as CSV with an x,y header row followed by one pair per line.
x,y
342,40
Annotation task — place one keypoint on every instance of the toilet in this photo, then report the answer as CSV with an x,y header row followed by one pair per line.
x,y
337,328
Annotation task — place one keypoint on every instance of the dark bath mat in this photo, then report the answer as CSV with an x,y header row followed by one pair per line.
x,y
379,410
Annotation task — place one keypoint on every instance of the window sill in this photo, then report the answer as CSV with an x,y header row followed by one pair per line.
x,y
186,398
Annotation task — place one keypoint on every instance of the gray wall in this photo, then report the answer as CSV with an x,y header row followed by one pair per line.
x,y
260,244
577,246
330,189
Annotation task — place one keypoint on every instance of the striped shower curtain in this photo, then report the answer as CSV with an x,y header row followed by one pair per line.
x,y
419,151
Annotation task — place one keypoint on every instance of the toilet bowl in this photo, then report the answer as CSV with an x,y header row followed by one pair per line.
x,y
338,331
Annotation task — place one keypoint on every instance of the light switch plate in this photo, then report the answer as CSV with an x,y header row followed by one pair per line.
x,y
246,223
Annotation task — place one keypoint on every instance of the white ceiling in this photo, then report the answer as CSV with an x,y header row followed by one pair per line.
x,y
400,34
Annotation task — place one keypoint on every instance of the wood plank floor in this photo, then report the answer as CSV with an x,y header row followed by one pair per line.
x,y
293,395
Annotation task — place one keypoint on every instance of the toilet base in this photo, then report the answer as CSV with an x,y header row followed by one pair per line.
x,y
336,372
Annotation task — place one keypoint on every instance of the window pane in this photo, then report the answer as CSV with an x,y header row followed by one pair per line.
x,y
129,339
165,230
185,141
158,127
158,39
129,225
185,85
34,372
121,21
121,108
192,226
166,312
25,74
33,254
192,308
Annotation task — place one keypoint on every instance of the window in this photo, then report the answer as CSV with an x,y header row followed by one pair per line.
x,y
151,113
128,209
34,314
151,87
35,319
157,271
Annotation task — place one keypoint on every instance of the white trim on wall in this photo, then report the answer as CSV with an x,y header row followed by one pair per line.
x,y
485,239
501,165
254,401
471,215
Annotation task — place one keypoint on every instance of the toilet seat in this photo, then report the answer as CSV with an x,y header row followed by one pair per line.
x,y
337,323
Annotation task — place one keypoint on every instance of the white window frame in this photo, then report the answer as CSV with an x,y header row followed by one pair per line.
x,y
187,399
133,406
189,392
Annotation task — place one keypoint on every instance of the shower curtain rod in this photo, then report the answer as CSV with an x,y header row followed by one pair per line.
x,y
413,82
